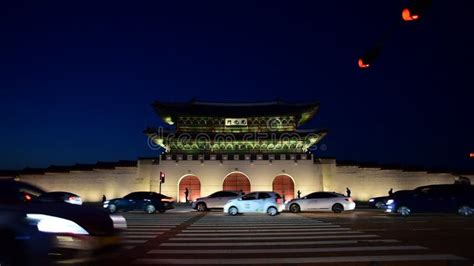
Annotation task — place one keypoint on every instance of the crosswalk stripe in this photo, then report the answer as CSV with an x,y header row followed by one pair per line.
x,y
437,257
321,241
152,224
272,243
142,232
267,230
133,241
140,236
149,228
269,238
264,226
282,250
269,233
259,223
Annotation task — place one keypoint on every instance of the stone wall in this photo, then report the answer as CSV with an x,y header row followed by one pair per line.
x,y
308,176
365,183
90,185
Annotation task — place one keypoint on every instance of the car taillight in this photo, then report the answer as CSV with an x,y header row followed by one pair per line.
x,y
349,199
27,197
279,201
72,198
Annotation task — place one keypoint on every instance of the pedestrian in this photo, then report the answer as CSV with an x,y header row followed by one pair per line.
x,y
299,194
348,191
390,192
104,198
186,193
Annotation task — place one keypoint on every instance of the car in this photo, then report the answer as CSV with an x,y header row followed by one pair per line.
x,y
22,243
166,200
216,200
379,202
76,230
321,201
150,202
60,196
255,202
169,202
16,192
449,198
24,192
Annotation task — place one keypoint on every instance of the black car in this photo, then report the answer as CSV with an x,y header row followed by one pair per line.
x,y
21,242
150,202
14,192
452,198
77,230
379,202
60,196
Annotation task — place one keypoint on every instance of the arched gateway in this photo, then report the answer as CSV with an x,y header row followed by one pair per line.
x,y
194,187
284,185
236,182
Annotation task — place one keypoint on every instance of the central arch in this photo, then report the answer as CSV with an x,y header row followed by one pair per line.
x,y
236,181
285,186
192,183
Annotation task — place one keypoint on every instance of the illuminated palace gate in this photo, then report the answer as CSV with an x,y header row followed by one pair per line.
x,y
193,185
202,131
237,182
284,186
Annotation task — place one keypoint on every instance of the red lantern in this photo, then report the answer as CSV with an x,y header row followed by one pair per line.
x,y
408,15
362,64
415,9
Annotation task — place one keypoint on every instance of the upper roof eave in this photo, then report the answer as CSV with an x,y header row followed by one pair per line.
x,y
169,111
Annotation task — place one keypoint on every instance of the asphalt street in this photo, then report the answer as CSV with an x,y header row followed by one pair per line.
x,y
361,237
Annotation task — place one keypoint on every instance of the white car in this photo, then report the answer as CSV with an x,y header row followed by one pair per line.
x,y
215,201
256,202
321,201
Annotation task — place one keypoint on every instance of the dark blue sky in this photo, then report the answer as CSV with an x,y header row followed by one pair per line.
x,y
77,78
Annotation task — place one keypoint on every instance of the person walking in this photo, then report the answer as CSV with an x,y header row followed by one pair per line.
x,y
390,192
348,191
299,194
186,193
104,198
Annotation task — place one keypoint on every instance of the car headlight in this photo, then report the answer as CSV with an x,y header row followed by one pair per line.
x,y
390,201
371,200
52,224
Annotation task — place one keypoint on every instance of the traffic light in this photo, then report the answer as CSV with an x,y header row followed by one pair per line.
x,y
162,177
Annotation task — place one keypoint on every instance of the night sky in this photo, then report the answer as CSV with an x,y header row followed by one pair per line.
x,y
77,78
